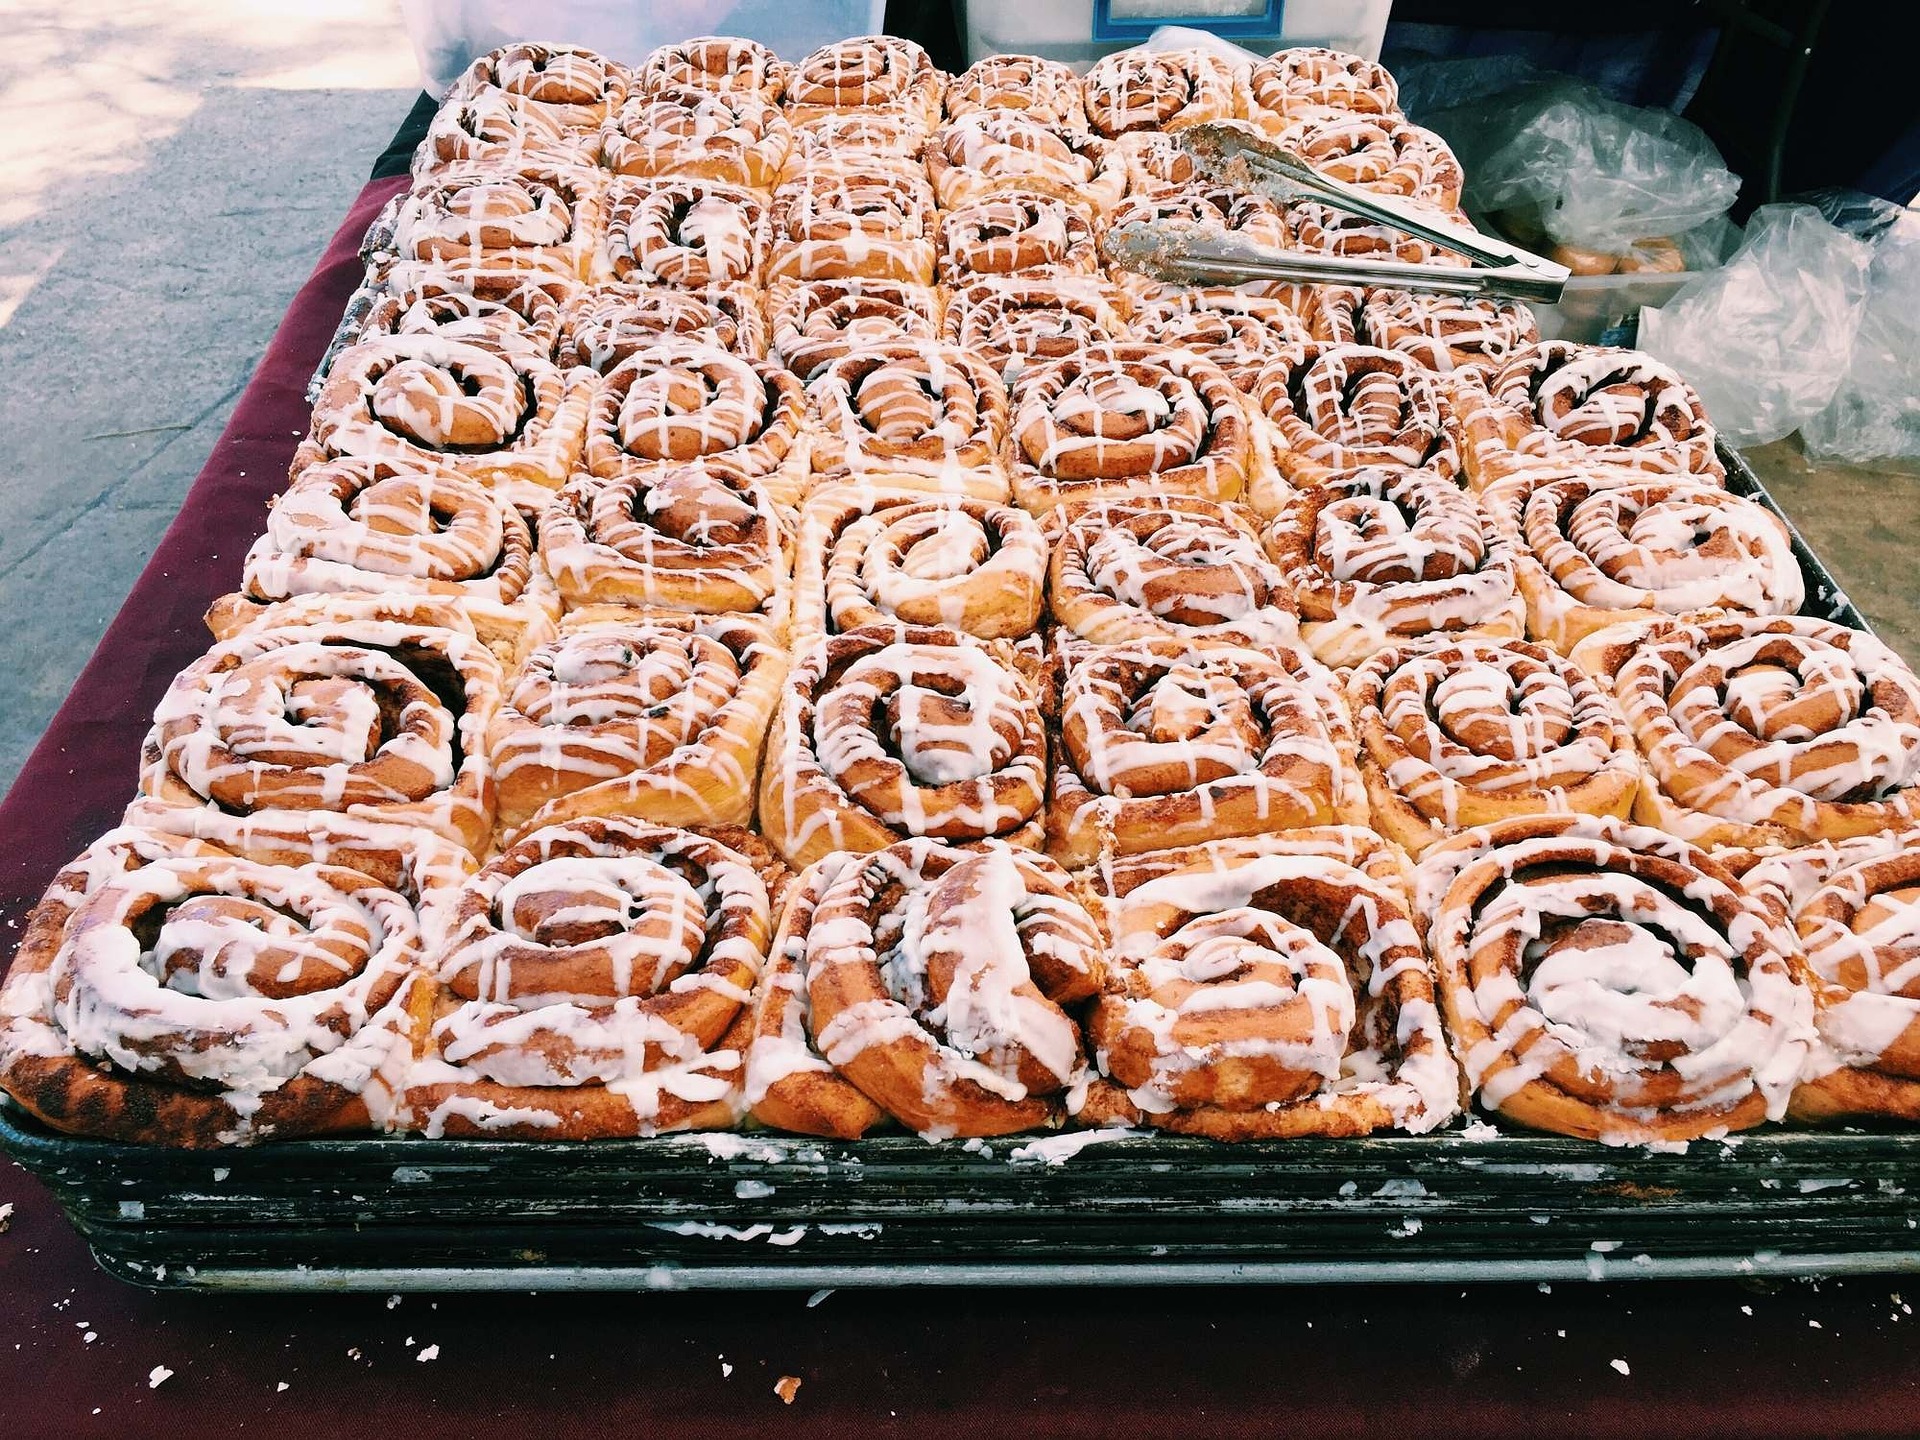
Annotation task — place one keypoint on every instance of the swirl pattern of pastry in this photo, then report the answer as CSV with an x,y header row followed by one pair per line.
x,y
510,312
722,64
1330,408
168,991
684,402
1307,77
866,215
1158,90
567,84
422,400
882,73
1043,90
1117,420
1611,982
694,134
1449,334
1758,731
1248,214
1376,152
1171,742
1018,322
1455,733
924,416
1017,233
1267,988
595,982
815,322
1594,554
689,233
1377,557
925,985
609,323
993,150
1855,905
873,555
1319,229
889,732
649,714
541,216
1137,568
488,130
1558,403
1242,334
680,537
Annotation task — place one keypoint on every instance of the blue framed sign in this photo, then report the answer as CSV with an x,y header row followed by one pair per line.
x,y
1133,20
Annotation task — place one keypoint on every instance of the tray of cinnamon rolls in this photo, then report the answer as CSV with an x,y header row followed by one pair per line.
x,y
789,725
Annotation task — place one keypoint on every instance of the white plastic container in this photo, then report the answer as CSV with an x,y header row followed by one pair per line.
x,y
447,34
1063,29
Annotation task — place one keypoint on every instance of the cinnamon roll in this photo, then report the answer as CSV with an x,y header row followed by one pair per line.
x,y
1330,408
1376,152
1248,214
840,138
1267,988
1117,420
275,730
169,992
1611,982
567,84
510,312
1307,77
1170,742
889,732
1014,323
1758,731
685,134
918,415
875,555
689,233
1378,557
1159,90
1449,334
882,73
1240,333
594,982
930,986
1851,903
1320,229
869,216
719,64
1156,163
1455,733
489,131
679,537
371,527
681,402
1595,553
609,323
1043,90
422,400
993,150
542,216
815,322
1558,403
1192,569
1017,233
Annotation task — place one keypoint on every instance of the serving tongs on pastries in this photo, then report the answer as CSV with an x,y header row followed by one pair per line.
x,y
1232,153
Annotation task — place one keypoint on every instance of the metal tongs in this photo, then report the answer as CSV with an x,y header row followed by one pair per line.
x,y
1233,153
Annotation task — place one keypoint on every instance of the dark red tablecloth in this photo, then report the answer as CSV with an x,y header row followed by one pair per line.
x,y
78,1350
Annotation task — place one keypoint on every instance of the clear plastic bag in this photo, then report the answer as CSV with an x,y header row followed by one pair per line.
x,y
1766,338
1875,412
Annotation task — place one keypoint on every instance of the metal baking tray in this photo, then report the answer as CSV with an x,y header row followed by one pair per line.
x,y
755,1210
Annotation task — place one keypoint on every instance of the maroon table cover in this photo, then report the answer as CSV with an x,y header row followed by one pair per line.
x,y
79,1351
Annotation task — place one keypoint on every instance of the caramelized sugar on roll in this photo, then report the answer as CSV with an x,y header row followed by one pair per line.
x,y
1375,557
688,134
688,233
1307,76
815,322
1127,419
1239,333
1611,982
1169,742
1756,730
610,323
1043,90
869,555
1136,568
1014,322
1456,733
722,64
684,537
932,412
1163,90
648,714
1335,407
888,732
1265,988
929,985
1016,233
992,150
1596,554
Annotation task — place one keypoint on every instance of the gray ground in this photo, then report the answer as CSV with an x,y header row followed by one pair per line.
x,y
170,174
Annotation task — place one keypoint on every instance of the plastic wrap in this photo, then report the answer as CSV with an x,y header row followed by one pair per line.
x,y
1875,412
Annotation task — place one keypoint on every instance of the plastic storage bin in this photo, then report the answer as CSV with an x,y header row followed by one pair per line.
x,y
447,34
1064,29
